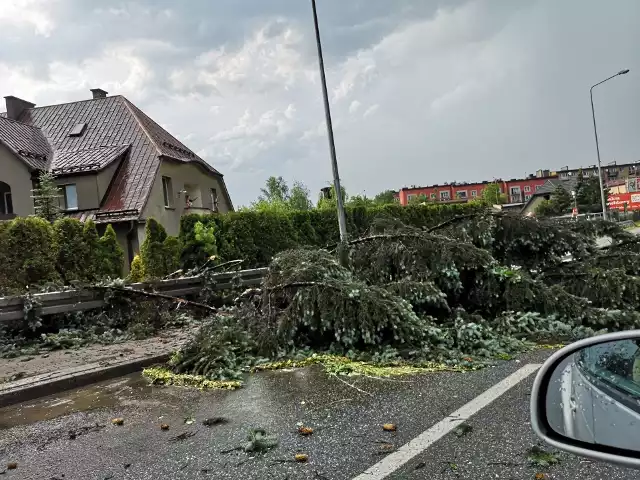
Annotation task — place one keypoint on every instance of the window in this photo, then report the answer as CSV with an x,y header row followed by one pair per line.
x,y
167,191
410,197
70,196
515,190
615,364
461,194
474,193
527,188
8,202
433,196
214,199
527,197
538,187
444,195
77,130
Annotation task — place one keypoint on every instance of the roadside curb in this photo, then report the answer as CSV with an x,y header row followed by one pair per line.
x,y
51,383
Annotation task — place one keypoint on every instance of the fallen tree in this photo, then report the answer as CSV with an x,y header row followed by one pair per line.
x,y
474,288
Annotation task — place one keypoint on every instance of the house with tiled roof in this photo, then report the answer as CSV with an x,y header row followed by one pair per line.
x,y
113,164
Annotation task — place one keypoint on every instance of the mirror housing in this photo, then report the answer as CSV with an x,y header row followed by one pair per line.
x,y
539,406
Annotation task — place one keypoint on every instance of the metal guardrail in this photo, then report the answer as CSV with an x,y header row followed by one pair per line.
x,y
12,308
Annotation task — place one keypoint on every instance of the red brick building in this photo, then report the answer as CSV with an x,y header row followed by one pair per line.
x,y
518,190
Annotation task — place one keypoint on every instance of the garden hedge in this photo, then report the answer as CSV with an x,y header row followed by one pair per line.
x,y
35,252
256,237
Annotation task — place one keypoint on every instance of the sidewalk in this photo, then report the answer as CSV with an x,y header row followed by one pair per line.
x,y
27,377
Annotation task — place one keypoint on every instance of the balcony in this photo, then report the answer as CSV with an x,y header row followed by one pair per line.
x,y
197,210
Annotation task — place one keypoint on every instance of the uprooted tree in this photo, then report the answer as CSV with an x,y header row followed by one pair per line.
x,y
479,286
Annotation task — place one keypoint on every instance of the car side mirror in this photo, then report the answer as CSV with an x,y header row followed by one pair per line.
x,y
586,399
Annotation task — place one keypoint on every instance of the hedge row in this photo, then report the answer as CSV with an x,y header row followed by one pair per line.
x,y
256,237
36,252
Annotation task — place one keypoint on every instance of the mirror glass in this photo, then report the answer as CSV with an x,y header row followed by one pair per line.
x,y
594,395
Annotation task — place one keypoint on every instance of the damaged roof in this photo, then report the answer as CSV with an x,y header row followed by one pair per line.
x,y
109,127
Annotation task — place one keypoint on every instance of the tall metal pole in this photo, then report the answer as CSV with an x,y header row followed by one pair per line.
x,y
595,132
342,222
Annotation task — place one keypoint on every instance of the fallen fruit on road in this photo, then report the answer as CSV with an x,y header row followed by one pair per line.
x,y
164,426
118,421
302,457
389,427
12,466
305,431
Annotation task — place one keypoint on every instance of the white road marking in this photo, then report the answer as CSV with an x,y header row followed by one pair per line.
x,y
395,460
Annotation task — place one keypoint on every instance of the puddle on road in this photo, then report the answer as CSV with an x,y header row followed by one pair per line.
x,y
124,390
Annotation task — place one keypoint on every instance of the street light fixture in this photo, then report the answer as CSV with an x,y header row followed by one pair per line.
x,y
595,131
342,221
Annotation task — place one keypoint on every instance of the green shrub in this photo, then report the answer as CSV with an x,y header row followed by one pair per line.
x,y
92,261
73,251
152,250
256,236
172,255
32,252
136,273
111,255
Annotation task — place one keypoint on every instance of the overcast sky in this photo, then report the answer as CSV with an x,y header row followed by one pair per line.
x,y
422,91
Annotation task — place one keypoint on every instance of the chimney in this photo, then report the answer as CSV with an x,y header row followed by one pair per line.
x,y
15,106
98,93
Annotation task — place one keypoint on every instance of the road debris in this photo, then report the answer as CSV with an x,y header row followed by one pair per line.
x,y
541,458
12,465
389,427
164,426
259,441
210,422
189,420
462,429
305,431
182,436
117,421
301,457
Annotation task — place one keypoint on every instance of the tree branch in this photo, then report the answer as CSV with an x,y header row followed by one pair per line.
x,y
145,293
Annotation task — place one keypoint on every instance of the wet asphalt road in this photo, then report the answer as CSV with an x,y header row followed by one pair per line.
x,y
347,440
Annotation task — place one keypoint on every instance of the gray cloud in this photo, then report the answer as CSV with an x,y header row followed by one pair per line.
x,y
422,92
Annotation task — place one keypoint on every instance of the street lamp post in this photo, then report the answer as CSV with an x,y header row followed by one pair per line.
x,y
342,222
595,131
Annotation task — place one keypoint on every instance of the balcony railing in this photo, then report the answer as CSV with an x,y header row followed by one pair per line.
x,y
199,210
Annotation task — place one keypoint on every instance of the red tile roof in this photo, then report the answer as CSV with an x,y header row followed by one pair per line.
x,y
25,141
112,123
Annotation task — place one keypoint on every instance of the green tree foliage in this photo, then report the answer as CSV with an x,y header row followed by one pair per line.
x,y
111,256
74,258
94,252
419,199
136,273
299,197
329,200
152,251
361,201
256,237
491,195
31,252
388,197
559,204
172,249
46,198
588,196
276,196
276,190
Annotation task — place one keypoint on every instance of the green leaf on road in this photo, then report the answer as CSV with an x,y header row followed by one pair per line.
x,y
542,458
462,429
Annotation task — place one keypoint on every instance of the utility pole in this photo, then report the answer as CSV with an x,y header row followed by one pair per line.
x,y
595,131
342,221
